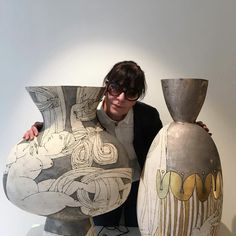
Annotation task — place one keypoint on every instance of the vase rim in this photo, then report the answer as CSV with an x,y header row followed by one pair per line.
x,y
63,86
187,78
82,86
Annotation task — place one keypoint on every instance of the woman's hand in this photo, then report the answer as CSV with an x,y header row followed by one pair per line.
x,y
33,131
204,126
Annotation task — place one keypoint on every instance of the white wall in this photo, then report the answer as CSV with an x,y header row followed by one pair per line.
x,y
77,42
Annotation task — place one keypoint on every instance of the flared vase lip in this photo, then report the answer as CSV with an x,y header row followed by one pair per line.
x,y
184,97
183,78
53,86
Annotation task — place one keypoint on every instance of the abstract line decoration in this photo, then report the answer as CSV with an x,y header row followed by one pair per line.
x,y
74,169
181,188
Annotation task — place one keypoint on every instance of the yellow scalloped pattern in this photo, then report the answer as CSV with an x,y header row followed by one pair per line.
x,y
183,189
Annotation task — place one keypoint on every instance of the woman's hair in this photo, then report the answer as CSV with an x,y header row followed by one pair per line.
x,y
129,74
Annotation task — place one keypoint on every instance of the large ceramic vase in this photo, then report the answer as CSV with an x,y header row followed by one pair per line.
x,y
74,169
180,192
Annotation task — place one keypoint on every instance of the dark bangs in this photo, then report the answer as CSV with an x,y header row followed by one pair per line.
x,y
128,74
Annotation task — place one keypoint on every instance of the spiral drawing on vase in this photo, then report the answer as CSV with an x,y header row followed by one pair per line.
x,y
74,169
180,191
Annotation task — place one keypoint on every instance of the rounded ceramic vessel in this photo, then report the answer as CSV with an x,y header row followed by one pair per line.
x,y
74,169
180,191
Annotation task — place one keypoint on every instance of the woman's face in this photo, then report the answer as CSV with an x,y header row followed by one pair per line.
x,y
117,107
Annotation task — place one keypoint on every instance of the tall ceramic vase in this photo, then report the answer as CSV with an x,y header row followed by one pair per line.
x,y
74,169
180,191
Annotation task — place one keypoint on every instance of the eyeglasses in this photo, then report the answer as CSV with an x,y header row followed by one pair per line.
x,y
115,89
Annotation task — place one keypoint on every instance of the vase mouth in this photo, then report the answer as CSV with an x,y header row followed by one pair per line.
x,y
62,86
184,97
60,101
185,79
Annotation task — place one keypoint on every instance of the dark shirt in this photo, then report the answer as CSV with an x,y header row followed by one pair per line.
x,y
147,124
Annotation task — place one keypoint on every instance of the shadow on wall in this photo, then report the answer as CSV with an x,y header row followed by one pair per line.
x,y
224,231
234,226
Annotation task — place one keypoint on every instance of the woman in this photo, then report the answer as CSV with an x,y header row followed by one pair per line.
x,y
135,124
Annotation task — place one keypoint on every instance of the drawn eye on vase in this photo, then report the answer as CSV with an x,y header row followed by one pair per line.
x,y
180,191
74,169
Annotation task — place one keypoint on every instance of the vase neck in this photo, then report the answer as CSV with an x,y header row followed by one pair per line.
x,y
184,98
62,107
